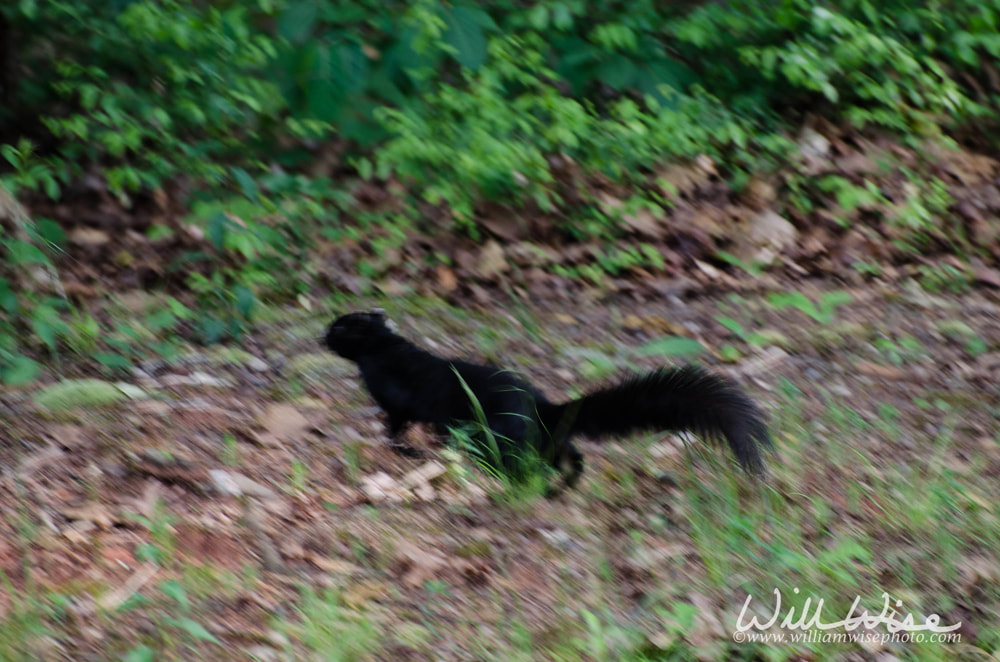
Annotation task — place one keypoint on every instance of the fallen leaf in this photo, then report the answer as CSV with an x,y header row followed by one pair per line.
x,y
283,422
491,261
91,512
767,234
419,565
447,278
987,276
88,236
423,474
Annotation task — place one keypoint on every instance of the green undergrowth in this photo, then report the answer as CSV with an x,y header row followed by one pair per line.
x,y
454,109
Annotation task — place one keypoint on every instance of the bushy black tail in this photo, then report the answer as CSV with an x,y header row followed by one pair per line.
x,y
686,398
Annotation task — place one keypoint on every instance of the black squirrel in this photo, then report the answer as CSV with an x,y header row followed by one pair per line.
x,y
413,385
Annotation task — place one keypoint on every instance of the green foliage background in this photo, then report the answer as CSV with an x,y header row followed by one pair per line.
x,y
463,103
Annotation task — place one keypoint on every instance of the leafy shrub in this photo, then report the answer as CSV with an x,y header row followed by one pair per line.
x,y
492,137
871,78
144,90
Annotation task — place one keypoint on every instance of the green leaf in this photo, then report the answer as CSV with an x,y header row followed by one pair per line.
x,y
46,323
323,98
735,327
538,17
50,231
10,153
247,184
352,68
218,225
836,298
211,329
296,23
140,654
245,300
8,299
19,370
161,319
730,354
617,71
651,78
22,252
365,168
671,346
562,17
195,629
465,35
179,309
112,360
173,589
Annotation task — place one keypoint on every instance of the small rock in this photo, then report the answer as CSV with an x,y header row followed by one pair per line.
x,y
422,475
380,486
812,144
424,492
257,364
196,378
556,538
235,484
224,483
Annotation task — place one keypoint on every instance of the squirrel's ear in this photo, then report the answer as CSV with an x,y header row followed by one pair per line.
x,y
383,319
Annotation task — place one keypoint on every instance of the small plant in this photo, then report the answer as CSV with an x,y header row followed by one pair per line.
x,y
160,526
823,310
944,278
900,350
851,197
176,629
753,268
353,456
521,471
922,215
604,638
753,338
330,629
958,331
867,73
29,173
230,453
23,625
298,477
868,269
226,306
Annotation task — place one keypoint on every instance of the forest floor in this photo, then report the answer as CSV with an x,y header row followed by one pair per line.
x,y
240,504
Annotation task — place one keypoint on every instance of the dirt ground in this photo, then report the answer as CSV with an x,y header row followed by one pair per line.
x,y
238,483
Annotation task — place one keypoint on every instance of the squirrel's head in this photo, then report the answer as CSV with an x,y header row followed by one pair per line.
x,y
355,334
